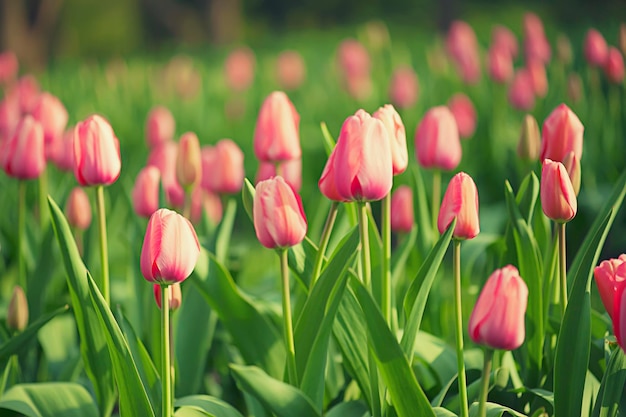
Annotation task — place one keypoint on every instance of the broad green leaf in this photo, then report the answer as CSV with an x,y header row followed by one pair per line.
x,y
612,386
49,399
283,399
192,412
443,412
495,410
134,396
93,345
349,409
211,405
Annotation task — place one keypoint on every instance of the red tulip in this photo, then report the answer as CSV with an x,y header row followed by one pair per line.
x,y
397,137
437,143
596,49
497,320
22,155
51,114
145,194
404,87
164,158
160,126
558,199
279,218
461,202
239,69
188,160
276,136
609,275
175,295
521,91
8,67
464,114
290,170
402,217
170,248
96,152
562,133
222,167
614,66
290,69
78,209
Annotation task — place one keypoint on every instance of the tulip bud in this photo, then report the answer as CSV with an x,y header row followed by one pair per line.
x,y
175,295
145,194
558,199
239,69
170,248
530,141
160,126
189,161
290,69
279,218
164,158
437,143
539,81
500,64
290,170
62,151
402,217
464,114
497,320
572,165
404,87
614,66
17,316
502,38
276,136
562,133
564,50
619,315
608,275
51,114
460,202
22,155
574,88
327,184
96,152
353,59
397,137
78,209
205,202
521,91
8,67
596,49
222,167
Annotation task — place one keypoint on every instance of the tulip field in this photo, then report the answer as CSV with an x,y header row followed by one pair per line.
x,y
364,223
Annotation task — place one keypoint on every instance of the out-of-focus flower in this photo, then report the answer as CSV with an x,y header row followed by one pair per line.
x,y
529,143
463,48
290,69
61,151
574,87
164,158
564,52
536,45
437,143
239,69
521,91
78,209
222,167
276,134
558,199
502,37
499,64
206,203
353,59
160,126
175,296
290,170
595,48
460,202
539,81
614,66
96,152
562,132
609,275
17,315
404,87
22,156
464,114
359,87
397,137
402,217
8,67
145,194
188,160
9,117
51,114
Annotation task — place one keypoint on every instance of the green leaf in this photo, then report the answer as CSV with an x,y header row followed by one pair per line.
x,y
443,412
211,405
191,412
247,196
283,399
612,386
495,410
401,254
93,345
221,242
49,399
422,210
301,258
349,409
329,142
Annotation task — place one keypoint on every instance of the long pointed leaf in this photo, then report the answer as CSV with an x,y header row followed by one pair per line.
x,y
50,399
612,386
211,405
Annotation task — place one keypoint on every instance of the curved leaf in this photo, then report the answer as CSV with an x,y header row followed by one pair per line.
x,y
349,409
612,386
211,405
495,410
51,399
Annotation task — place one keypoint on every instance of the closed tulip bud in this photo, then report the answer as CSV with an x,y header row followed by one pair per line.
x,y
596,49
521,91
437,143
17,316
290,170
22,155
500,64
609,275
160,126
503,38
529,143
402,217
205,203
558,199
572,166
327,184
164,158
8,67
27,91
276,136
96,152
290,69
145,194
359,87
497,320
460,202
564,50
397,137
363,168
562,133
279,218
539,81
463,49
619,315
464,114
189,161
170,248
62,151
51,114
78,209
574,88
239,69
175,295
9,117
353,58
404,87
614,66
222,167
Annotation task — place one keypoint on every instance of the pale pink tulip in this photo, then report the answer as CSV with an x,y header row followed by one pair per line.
x,y
96,152
595,48
222,167
404,87
164,158
22,156
62,151
326,182
206,203
78,209
160,126
521,91
464,114
503,38
437,143
354,60
397,137
538,78
51,114
145,194
188,160
402,216
276,135
239,69
175,295
500,64
608,275
463,49
290,70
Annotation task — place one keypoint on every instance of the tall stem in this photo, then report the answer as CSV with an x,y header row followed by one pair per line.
x,y
459,328
366,266
484,388
386,260
187,203
562,267
328,227
43,200
21,234
166,371
104,248
436,199
289,341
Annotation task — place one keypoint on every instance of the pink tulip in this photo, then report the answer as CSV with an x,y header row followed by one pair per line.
x,y
290,170
562,132
397,137
502,38
500,64
558,199
145,194
572,166
78,209
619,315
188,160
22,155
354,60
574,88
461,202
8,67
290,69
279,218
9,117
164,158
596,49
170,248
404,87
463,49
160,126
239,69
26,90
536,45
222,167
51,114
464,114
497,320
327,184
175,295
402,217
61,151
437,143
363,167
614,66
539,81
96,152
359,87
521,91
276,136
206,203
609,275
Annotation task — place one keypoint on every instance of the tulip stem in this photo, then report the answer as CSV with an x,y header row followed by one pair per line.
x,y
459,328
325,238
562,267
166,371
289,341
104,248
21,233
366,268
484,389
436,199
187,203
43,200
386,259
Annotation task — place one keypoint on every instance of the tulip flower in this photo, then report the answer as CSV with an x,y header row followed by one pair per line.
x,y
404,87
17,315
437,143
170,248
22,155
51,114
359,87
175,298
558,198
614,66
500,64
222,167
497,320
164,158
78,209
596,49
26,90
402,217
9,117
188,160
562,132
572,166
279,218
290,70
363,167
160,126
327,184
461,202
276,136
619,316
239,69
8,67
61,152
609,275
464,114
353,59
539,81
536,46
206,203
96,152
290,170
145,194
502,37
397,137
521,90
463,49
529,143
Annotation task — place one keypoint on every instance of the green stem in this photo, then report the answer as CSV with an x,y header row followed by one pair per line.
x,y
436,199
386,259
43,200
21,234
104,248
289,340
166,371
366,267
459,328
562,267
187,203
325,238
484,389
